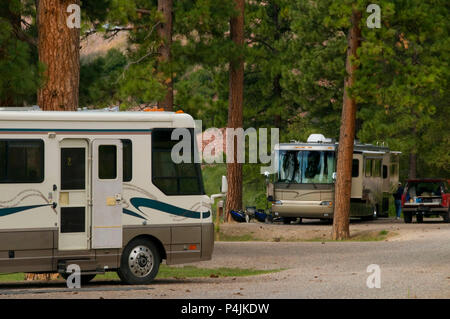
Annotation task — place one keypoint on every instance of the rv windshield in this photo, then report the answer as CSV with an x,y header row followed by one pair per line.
x,y
306,167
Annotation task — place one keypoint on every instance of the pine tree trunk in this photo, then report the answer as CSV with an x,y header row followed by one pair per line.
x,y
235,109
165,33
343,187
59,51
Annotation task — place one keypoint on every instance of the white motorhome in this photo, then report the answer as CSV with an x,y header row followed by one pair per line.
x,y
99,190
303,186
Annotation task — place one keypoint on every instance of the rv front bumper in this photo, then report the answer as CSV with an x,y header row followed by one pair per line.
x,y
311,209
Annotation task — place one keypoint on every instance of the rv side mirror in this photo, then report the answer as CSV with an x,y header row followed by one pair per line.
x,y
334,176
224,188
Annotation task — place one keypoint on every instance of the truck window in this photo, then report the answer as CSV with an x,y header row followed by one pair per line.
x,y
169,177
21,161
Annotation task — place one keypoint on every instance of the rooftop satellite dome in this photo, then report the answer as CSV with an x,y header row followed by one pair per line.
x,y
318,138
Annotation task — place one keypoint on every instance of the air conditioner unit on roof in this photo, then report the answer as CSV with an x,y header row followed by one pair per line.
x,y
318,138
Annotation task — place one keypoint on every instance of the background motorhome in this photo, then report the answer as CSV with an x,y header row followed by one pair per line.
x,y
99,189
304,183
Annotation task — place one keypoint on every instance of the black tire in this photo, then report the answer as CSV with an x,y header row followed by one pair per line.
x,y
139,263
419,218
85,279
300,220
286,220
447,217
407,217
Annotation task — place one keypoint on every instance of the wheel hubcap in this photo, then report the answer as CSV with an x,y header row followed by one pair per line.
x,y
140,261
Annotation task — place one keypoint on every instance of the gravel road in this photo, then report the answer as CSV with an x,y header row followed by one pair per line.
x,y
415,264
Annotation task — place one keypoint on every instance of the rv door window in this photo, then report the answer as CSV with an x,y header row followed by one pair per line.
x,y
385,171
107,162
73,168
21,161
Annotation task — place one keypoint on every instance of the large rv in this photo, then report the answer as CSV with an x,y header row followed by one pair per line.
x,y
303,186
99,190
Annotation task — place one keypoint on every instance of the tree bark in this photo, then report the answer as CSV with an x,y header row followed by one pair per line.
x,y
165,34
235,111
59,51
343,185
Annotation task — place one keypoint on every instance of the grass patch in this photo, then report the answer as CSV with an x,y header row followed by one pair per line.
x,y
170,272
363,236
245,237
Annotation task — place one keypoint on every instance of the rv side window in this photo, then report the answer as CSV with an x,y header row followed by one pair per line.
x,y
127,160
171,178
376,165
355,168
394,169
368,168
107,158
21,161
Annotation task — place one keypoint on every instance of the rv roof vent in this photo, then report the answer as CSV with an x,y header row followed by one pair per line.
x,y
318,138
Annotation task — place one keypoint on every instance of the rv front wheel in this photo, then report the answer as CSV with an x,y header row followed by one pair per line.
x,y
139,262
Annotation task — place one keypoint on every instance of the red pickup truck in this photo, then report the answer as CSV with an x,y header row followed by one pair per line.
x,y
425,198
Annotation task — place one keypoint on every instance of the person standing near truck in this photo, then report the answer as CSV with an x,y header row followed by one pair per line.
x,y
398,200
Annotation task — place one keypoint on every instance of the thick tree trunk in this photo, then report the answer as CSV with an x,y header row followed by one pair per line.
x,y
165,33
59,51
235,109
343,185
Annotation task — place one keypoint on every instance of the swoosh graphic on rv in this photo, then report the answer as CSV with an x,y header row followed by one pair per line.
x,y
129,212
13,210
138,202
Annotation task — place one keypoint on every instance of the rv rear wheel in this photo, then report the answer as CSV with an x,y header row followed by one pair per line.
x,y
139,263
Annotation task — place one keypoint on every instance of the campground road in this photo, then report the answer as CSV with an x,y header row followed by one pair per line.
x,y
416,267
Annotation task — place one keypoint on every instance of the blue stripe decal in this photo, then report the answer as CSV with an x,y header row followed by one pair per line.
x,y
138,202
129,212
13,210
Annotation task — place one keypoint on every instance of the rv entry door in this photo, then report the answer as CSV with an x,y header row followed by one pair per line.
x,y
106,194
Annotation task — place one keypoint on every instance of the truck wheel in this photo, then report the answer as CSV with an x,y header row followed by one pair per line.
x,y
419,219
139,263
447,217
407,217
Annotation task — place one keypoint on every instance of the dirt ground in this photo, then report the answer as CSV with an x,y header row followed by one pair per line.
x,y
314,230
